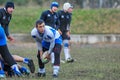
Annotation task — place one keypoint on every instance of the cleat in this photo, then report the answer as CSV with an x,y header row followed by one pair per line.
x,y
69,60
55,75
31,65
2,74
41,74
24,70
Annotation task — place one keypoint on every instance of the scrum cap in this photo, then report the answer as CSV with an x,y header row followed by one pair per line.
x,y
54,4
66,6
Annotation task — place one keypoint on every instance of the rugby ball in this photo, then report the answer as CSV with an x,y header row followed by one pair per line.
x,y
44,59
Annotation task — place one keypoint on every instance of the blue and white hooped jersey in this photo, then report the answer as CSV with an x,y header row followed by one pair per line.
x,y
49,37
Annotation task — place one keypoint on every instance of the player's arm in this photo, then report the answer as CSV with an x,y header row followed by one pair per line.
x,y
0,15
58,14
68,25
68,30
57,22
43,16
38,42
39,46
52,43
60,31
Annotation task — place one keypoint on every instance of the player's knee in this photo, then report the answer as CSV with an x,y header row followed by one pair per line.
x,y
66,45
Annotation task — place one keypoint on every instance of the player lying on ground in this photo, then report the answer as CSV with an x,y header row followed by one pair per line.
x,y
23,69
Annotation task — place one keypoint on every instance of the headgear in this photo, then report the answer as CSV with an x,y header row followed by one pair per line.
x,y
54,4
9,4
66,6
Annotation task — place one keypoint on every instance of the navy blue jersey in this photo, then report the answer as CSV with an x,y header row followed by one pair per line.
x,y
5,20
65,20
50,19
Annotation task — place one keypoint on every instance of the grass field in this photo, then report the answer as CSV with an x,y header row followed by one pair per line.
x,y
84,21
93,62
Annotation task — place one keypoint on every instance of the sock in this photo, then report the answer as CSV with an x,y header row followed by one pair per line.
x,y
52,57
56,69
66,52
66,49
41,70
25,60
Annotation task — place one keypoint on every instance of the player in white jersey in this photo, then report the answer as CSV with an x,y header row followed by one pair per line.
x,y
47,39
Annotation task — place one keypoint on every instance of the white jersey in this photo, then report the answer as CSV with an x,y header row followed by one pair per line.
x,y
49,35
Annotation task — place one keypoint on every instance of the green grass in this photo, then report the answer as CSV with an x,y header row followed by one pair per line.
x,y
93,62
83,21
96,21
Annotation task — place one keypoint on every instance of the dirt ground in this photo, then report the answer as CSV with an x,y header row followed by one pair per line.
x,y
33,45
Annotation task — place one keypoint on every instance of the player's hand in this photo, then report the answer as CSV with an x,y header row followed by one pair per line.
x,y
48,56
11,39
60,31
68,34
41,53
45,57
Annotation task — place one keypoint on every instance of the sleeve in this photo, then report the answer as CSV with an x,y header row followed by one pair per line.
x,y
69,22
37,40
52,44
58,14
52,41
43,16
0,15
57,22
6,29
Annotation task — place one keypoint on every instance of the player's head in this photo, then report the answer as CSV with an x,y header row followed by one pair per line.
x,y
9,6
67,7
54,6
40,25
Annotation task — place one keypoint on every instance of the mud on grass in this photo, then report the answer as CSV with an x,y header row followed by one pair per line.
x,y
93,62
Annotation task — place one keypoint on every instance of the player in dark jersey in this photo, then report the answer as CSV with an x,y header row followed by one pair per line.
x,y
50,16
64,28
5,17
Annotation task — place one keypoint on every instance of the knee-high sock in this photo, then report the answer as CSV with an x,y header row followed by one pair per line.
x,y
66,53
56,69
66,49
52,57
41,70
